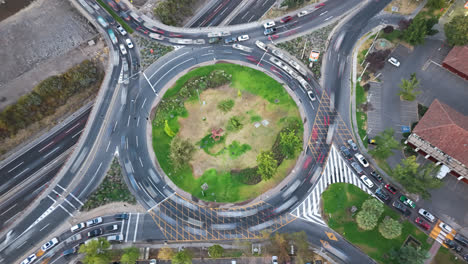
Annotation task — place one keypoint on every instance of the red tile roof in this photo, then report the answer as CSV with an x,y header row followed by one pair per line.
x,y
458,59
446,129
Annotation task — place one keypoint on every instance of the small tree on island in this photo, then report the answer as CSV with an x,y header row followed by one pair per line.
x,y
289,143
390,228
181,152
216,251
408,87
384,144
267,165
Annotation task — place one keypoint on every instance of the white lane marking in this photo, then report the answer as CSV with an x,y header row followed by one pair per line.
x,y
12,217
162,77
44,227
136,139
122,225
161,201
244,15
91,181
50,153
144,101
251,18
136,227
115,126
128,226
323,13
52,142
58,194
70,203
16,167
22,244
162,66
152,88
61,206
61,187
207,54
71,194
77,133
56,259
73,127
264,3
108,144
51,198
4,212
138,121
223,11
128,121
21,173
328,18
140,162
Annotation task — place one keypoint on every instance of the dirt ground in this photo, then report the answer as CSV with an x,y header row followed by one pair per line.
x,y
44,39
405,7
261,138
147,6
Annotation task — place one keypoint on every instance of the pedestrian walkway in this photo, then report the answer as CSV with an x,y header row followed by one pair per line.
x,y
440,235
336,170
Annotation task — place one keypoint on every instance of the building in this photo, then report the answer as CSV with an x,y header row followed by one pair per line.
x,y
442,137
457,61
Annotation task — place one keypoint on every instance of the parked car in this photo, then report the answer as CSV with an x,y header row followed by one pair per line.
x,y
366,181
427,215
352,144
71,251
269,24
425,225
345,151
452,245
243,38
94,233
123,216
406,201
382,194
73,238
286,19
376,176
116,238
274,260
50,244
461,239
112,228
401,207
94,221
358,168
445,227
361,160
311,95
29,259
269,31
124,16
78,227
390,188
394,62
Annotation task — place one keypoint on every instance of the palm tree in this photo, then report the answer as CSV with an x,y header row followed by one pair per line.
x,y
408,87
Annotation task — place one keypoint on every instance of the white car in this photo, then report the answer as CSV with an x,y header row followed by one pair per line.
x,y
121,30
123,49
117,238
29,259
269,24
311,95
352,144
445,227
361,160
78,227
394,62
94,221
274,260
241,47
366,181
427,215
129,43
302,13
50,244
261,45
243,38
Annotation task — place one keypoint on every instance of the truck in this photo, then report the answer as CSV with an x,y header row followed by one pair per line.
x,y
112,36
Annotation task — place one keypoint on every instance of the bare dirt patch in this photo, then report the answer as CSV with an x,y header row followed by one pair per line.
x,y
405,7
247,106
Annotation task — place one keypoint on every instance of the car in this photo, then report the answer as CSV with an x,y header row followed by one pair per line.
x,y
78,227
129,43
94,233
243,38
320,5
121,30
230,40
390,188
71,251
382,194
427,215
50,244
214,40
124,16
261,45
269,24
366,181
358,168
269,31
452,245
116,238
401,207
311,95
286,19
423,224
29,259
123,49
445,227
302,13
123,216
112,228
461,239
274,260
112,4
376,176
94,221
394,62
73,238
406,201
361,160
371,141
153,261
352,144
345,151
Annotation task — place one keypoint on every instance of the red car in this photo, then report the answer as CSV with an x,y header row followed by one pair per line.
x,y
422,223
391,189
320,5
286,19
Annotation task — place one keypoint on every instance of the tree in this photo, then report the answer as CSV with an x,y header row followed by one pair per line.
x,y
267,165
416,31
388,29
416,178
384,144
373,205
303,253
404,24
216,251
279,247
366,220
96,251
456,31
289,143
408,87
165,253
181,152
377,60
436,4
130,255
409,254
182,257
390,228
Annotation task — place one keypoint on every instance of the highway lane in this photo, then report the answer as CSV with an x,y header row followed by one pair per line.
x,y
252,11
216,14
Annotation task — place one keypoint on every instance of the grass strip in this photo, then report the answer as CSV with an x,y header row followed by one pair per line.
x,y
116,16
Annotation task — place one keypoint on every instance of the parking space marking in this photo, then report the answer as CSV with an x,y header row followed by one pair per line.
x,y
128,226
136,227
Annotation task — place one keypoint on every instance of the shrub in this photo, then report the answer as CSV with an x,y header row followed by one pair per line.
x,y
181,152
390,228
248,176
377,60
366,220
226,105
388,29
404,24
216,251
234,124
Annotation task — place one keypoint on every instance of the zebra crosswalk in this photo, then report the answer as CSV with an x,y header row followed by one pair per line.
x,y
336,169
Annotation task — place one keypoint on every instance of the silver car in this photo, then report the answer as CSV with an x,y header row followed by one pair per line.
x,y
358,168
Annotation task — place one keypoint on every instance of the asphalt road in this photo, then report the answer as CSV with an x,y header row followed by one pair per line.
x,y
252,11
216,13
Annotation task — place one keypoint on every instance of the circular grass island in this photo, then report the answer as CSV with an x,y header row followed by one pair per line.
x,y
226,133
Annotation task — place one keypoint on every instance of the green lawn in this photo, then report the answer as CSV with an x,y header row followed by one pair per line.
x,y
222,186
444,256
361,117
337,201
394,35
